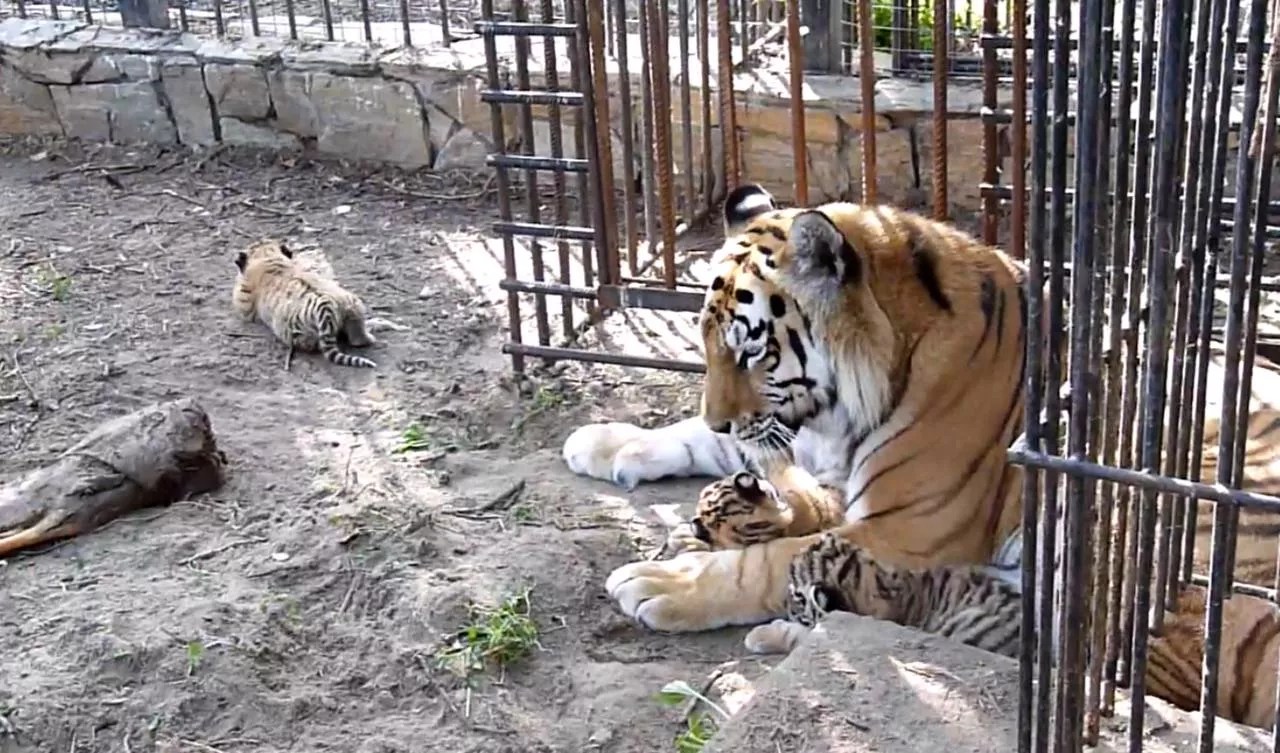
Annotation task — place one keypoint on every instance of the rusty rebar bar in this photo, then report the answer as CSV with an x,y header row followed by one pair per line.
x,y
867,76
799,134
728,113
604,142
941,14
661,84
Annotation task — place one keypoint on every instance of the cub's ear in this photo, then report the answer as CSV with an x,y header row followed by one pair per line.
x,y
822,260
743,204
288,252
242,259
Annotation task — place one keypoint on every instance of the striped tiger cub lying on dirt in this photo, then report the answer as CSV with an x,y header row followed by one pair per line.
x,y
977,605
306,311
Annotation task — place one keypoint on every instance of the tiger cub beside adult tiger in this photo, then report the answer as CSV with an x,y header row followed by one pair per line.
x,y
982,608
304,310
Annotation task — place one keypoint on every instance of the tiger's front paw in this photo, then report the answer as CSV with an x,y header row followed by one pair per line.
x,y
777,637
692,592
610,452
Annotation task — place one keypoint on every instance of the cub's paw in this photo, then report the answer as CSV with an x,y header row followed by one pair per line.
x,y
683,539
777,637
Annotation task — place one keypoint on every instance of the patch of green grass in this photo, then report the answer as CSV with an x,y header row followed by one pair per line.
x,y
413,439
495,636
524,514
699,727
53,331
195,655
59,284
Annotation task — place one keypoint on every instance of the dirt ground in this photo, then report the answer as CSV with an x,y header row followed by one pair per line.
x,y
301,607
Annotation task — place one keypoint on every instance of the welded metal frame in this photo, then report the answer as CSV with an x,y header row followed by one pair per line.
x,y
1148,221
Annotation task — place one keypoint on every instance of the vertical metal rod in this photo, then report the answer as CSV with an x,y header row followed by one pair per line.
x,y
183,22
1138,242
1172,95
610,48
600,168
625,111
364,19
1036,245
1266,156
1167,175
1192,259
940,74
1076,527
728,111
88,12
327,11
22,10
533,201
293,19
1100,430
598,122
686,108
1208,225
867,78
1034,354
704,99
218,24
799,150
253,16
1224,519
53,10
504,186
662,137
1059,231
580,56
742,28
445,34
551,64
647,179
990,150
404,23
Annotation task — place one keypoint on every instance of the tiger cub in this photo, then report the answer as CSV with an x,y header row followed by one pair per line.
x,y
743,509
306,311
967,604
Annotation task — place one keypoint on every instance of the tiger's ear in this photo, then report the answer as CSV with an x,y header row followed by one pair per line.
x,y
288,252
744,204
242,259
822,260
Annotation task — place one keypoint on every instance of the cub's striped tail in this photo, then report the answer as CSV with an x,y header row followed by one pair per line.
x,y
329,342
331,352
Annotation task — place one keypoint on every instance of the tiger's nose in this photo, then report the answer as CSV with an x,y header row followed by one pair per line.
x,y
721,427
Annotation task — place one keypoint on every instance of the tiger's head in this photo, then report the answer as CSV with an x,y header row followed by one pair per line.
x,y
740,510
788,312
263,250
253,266
833,575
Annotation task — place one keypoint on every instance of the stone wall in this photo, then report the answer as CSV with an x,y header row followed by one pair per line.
x,y
420,107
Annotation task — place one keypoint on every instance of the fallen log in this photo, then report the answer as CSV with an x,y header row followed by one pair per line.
x,y
155,456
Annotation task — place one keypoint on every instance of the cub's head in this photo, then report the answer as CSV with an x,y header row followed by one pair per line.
x,y
833,575
263,250
782,282
740,510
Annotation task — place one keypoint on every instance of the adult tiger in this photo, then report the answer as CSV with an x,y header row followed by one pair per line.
x,y
885,351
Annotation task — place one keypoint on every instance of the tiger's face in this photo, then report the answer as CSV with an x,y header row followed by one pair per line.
x,y
738,511
833,575
765,377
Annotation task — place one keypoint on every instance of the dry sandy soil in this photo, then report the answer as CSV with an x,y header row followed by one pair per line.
x,y
301,606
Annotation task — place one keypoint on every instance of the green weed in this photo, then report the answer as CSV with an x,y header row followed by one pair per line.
x,y
195,655
413,439
699,727
498,636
